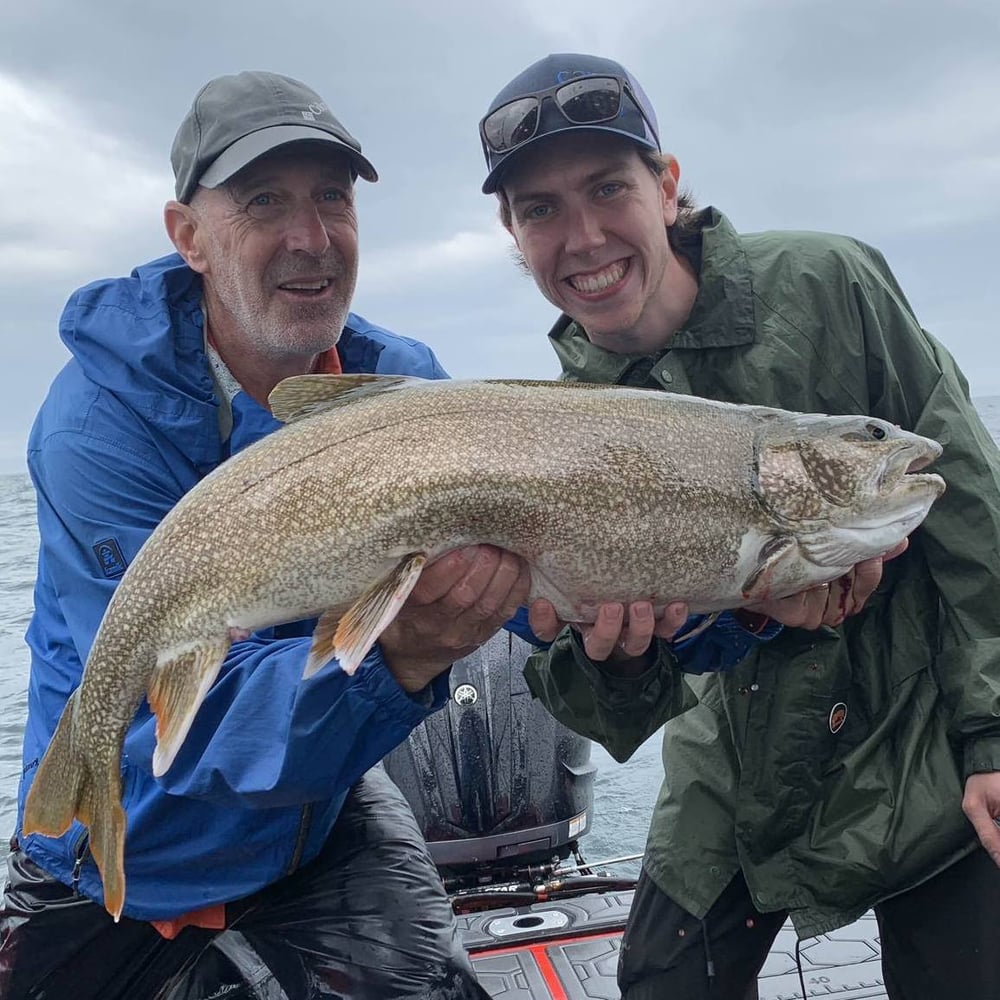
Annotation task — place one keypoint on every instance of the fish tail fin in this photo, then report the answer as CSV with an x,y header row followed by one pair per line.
x,y
176,690
65,789
101,810
53,800
349,637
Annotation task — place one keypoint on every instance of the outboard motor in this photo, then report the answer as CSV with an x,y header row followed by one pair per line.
x,y
495,782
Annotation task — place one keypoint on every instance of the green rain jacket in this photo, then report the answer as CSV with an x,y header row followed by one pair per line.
x,y
829,766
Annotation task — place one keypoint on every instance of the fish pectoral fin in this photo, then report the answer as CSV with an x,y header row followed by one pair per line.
x,y
176,690
757,585
348,637
302,396
65,788
837,548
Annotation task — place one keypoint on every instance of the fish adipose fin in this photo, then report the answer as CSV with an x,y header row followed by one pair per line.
x,y
176,690
757,586
65,789
304,395
350,636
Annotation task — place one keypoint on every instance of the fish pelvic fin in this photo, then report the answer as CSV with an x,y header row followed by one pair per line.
x,y
350,636
757,585
65,788
702,626
304,395
176,689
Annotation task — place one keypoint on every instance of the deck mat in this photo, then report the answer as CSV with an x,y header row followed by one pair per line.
x,y
530,953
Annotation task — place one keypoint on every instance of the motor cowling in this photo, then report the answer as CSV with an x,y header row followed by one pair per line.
x,y
493,779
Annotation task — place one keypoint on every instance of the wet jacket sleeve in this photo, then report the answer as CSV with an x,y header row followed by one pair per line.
x,y
619,712
914,381
263,736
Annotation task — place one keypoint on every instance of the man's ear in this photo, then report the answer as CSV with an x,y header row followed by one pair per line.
x,y
181,224
669,188
506,218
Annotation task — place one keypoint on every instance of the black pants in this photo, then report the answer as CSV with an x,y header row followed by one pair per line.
x,y
366,920
940,941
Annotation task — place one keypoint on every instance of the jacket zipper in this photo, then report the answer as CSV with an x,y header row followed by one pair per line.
x,y
80,850
300,840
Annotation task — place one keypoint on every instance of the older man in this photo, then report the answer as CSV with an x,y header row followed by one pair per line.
x,y
266,862
836,769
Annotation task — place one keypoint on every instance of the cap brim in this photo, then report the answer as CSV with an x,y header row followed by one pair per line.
x,y
492,181
244,151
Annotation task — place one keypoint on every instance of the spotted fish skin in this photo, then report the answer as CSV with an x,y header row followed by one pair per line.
x,y
609,493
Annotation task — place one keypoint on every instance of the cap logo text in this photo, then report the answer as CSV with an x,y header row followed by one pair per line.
x,y
313,110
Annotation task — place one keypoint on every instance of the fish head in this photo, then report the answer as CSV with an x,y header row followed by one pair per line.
x,y
848,488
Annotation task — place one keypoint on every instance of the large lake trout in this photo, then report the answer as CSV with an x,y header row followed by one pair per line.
x,y
609,493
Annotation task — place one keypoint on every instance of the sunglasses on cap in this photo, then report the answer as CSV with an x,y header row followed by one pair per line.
x,y
586,100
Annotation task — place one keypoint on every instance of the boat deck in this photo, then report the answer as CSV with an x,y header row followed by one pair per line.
x,y
568,950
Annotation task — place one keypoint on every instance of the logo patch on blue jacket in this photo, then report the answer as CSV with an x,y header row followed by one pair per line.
x,y
109,556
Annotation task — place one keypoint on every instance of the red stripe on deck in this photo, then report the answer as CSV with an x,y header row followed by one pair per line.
x,y
549,974
540,953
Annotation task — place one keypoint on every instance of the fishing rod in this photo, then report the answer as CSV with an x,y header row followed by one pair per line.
x,y
597,864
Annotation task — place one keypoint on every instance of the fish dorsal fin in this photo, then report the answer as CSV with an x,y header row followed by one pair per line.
x,y
556,384
305,395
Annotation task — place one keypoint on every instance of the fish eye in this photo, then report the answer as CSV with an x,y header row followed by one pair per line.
x,y
877,431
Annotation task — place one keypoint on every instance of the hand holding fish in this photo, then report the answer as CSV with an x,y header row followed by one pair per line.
x,y
621,639
831,603
614,636
458,603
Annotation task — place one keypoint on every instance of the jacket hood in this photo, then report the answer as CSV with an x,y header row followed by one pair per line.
x,y
141,338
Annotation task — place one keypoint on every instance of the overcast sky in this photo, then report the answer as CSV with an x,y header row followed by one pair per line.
x,y
876,118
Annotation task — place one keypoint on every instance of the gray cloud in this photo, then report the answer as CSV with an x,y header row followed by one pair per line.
x,y
871,117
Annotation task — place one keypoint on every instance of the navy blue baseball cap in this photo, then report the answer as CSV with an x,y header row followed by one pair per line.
x,y
564,93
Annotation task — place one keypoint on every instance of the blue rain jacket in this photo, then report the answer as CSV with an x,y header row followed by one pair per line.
x,y
129,426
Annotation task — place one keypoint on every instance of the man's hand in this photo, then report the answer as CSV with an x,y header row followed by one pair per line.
x,y
458,603
624,641
981,803
833,602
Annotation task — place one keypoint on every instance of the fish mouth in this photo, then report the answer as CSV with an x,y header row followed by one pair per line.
x,y
905,494
920,463
902,468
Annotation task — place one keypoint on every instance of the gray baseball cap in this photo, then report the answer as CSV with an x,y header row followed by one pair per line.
x,y
235,119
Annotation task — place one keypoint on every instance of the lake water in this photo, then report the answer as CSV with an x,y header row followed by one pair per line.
x,y
624,793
